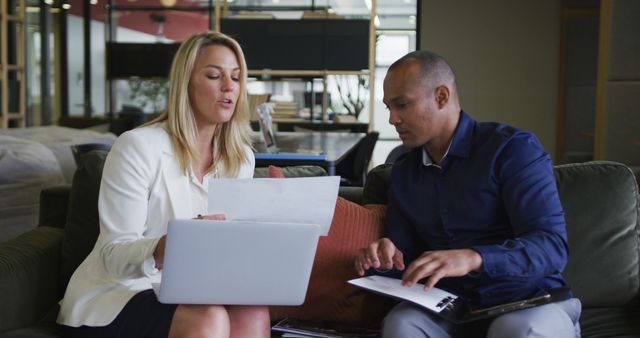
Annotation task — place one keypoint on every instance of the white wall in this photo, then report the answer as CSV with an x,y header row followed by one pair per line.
x,y
506,57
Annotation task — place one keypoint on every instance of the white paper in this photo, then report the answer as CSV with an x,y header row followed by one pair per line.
x,y
288,200
434,299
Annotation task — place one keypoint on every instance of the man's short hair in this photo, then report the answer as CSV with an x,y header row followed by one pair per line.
x,y
434,68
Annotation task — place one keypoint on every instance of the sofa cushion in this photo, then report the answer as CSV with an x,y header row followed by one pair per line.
x,y
295,171
600,200
81,229
54,202
610,322
329,297
59,140
377,185
26,167
28,275
36,331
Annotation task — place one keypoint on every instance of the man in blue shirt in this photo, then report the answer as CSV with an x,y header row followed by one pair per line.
x,y
473,209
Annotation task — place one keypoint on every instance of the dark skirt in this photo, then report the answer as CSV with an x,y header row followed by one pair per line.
x,y
142,317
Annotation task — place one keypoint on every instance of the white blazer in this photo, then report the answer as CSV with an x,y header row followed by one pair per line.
x,y
142,188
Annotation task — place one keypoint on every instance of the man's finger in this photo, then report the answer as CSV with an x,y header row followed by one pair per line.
x,y
359,269
434,279
398,260
386,252
372,256
420,268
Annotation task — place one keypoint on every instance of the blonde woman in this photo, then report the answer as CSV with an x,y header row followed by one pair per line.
x,y
153,174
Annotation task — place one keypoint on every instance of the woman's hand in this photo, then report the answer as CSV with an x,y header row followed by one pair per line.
x,y
214,217
158,253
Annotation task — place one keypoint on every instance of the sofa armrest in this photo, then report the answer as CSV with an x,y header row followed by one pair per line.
x,y
54,202
29,266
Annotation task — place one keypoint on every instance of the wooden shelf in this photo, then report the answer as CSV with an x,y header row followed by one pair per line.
x,y
15,18
277,72
306,73
7,50
370,72
15,68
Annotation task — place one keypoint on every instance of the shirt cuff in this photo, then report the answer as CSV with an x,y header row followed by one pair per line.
x,y
492,260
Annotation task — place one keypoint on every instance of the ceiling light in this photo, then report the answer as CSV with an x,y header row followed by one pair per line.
x,y
93,2
376,21
368,4
66,6
48,2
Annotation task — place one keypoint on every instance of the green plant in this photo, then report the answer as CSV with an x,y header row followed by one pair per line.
x,y
146,92
353,96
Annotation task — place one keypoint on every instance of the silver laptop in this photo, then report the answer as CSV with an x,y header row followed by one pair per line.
x,y
265,121
237,262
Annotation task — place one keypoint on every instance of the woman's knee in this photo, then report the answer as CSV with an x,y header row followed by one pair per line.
x,y
249,321
200,320
253,313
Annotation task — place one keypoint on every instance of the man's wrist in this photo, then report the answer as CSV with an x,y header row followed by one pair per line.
x,y
476,263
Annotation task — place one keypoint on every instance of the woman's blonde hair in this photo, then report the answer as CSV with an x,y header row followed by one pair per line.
x,y
231,137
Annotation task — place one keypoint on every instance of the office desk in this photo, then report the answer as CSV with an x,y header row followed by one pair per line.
x,y
334,147
354,127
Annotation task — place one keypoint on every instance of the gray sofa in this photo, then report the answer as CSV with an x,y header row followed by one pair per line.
x,y
600,201
32,159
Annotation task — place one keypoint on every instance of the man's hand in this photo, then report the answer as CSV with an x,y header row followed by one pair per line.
x,y
381,254
439,264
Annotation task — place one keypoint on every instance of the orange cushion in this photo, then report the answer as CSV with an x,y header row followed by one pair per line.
x,y
329,297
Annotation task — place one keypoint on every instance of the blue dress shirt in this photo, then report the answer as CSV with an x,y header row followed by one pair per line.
x,y
494,192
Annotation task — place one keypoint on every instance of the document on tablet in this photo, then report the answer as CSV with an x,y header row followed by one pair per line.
x,y
448,305
434,300
309,200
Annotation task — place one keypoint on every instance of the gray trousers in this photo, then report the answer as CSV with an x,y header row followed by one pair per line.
x,y
559,320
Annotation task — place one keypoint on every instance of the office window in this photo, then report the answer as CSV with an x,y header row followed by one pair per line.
x,y
391,46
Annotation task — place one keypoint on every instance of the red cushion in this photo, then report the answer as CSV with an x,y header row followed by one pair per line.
x,y
329,297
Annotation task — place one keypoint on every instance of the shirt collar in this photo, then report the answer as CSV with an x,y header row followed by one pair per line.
x,y
463,137
428,161
460,144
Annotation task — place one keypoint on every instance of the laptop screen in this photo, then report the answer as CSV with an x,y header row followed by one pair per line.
x,y
264,111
